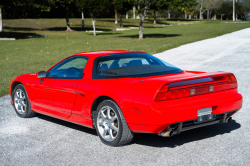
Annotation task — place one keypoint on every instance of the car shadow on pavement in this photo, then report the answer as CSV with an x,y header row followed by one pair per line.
x,y
68,124
185,137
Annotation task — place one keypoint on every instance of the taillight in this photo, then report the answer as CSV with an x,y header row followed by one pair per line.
x,y
167,93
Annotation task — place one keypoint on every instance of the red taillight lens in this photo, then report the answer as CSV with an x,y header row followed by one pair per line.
x,y
178,94
166,94
233,81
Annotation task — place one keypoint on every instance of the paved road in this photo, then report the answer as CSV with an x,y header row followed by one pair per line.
x,y
46,141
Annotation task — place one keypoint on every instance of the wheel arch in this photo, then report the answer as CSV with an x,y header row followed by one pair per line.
x,y
95,104
14,84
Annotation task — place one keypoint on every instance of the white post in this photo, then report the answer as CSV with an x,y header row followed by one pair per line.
x,y
189,16
134,12
115,16
233,10
82,19
1,19
126,15
235,13
93,21
168,14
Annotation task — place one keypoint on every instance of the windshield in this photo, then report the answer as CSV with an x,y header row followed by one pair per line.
x,y
131,65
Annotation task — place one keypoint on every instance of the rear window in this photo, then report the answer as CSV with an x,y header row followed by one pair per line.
x,y
131,65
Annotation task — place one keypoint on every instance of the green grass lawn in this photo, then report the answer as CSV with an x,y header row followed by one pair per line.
x,y
29,55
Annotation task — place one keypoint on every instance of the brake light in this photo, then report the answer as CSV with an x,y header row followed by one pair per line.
x,y
166,93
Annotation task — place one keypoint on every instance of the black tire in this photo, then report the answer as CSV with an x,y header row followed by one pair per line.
x,y
27,112
125,135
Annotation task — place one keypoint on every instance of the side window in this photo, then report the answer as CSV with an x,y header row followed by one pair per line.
x,y
72,67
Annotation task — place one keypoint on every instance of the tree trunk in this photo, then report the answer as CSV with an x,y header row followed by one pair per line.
x,y
168,14
221,17
1,20
115,16
126,15
178,19
121,20
201,16
142,16
155,17
93,22
82,19
208,15
185,11
134,12
67,20
141,27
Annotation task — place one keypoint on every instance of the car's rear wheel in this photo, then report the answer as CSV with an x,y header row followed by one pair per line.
x,y
111,125
21,102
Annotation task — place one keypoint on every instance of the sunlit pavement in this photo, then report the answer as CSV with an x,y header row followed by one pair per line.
x,y
43,140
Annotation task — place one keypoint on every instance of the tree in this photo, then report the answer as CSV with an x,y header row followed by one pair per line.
x,y
225,8
245,6
94,8
38,5
43,6
210,5
159,5
122,6
64,4
188,11
200,7
179,5
142,6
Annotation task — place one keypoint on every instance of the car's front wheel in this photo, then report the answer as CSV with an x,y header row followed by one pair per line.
x,y
21,102
111,125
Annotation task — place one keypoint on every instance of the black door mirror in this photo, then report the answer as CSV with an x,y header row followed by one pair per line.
x,y
40,74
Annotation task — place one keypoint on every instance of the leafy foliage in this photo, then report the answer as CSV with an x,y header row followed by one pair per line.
x,y
179,4
122,6
226,7
160,4
94,7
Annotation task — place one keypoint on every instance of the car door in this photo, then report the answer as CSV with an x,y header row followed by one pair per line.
x,y
56,93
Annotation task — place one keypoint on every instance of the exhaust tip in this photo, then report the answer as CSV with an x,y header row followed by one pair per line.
x,y
167,133
228,120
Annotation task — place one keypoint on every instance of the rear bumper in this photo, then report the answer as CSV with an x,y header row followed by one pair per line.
x,y
163,114
177,128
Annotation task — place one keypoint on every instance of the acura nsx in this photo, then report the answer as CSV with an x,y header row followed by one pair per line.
x,y
120,93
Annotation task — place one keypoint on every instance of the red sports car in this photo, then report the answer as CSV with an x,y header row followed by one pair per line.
x,y
120,93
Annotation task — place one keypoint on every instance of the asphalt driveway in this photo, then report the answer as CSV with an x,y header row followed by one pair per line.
x,y
43,140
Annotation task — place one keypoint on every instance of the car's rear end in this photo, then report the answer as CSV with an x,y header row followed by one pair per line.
x,y
194,100
157,97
